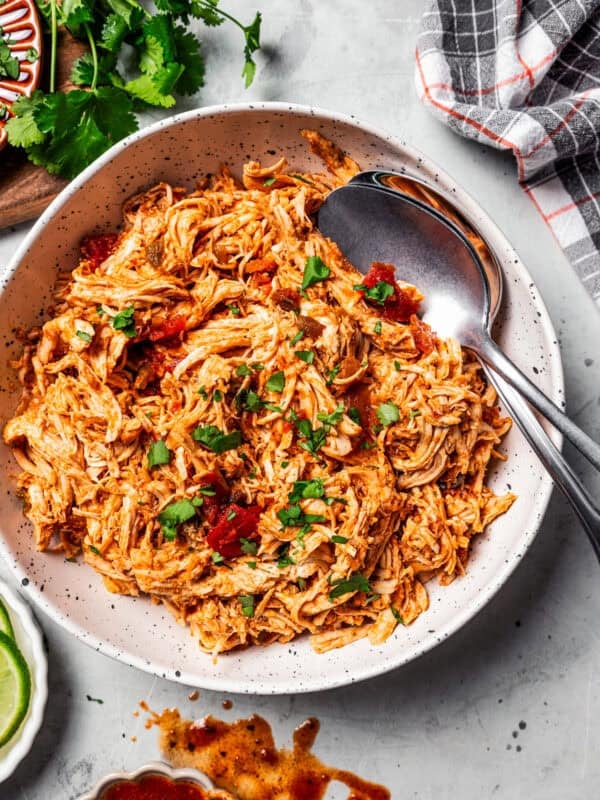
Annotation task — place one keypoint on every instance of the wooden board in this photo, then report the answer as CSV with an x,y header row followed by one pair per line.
x,y
26,190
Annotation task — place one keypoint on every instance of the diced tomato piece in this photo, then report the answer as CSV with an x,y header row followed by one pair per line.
x,y
98,247
167,329
423,335
399,306
214,502
234,523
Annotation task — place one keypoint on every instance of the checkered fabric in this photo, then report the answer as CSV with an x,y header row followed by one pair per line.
x,y
524,75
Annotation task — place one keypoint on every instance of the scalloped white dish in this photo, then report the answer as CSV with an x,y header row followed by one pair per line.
x,y
29,639
180,150
153,768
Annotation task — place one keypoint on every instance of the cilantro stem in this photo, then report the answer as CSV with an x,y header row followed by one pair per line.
x,y
53,32
94,53
224,14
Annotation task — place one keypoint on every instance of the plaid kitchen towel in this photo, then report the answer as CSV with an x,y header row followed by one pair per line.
x,y
524,75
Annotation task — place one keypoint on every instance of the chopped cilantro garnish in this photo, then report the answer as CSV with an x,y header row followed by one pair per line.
x,y
339,539
332,374
397,366
173,515
100,311
377,327
414,413
335,416
388,413
269,181
95,550
248,400
158,453
293,516
284,464
124,322
368,445
397,616
234,310
305,355
247,604
243,370
304,490
203,393
354,414
252,474
207,491
257,367
314,271
231,515
276,409
355,583
378,293
251,564
248,546
295,339
301,583
217,558
197,501
276,382
217,395
214,439
284,560
84,336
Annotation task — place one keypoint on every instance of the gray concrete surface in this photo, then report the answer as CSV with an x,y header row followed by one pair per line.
x,y
509,707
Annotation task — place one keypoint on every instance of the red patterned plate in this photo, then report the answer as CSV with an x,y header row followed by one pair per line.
x,y
20,30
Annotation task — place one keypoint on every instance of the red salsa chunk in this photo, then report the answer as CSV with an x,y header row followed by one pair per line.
x,y
398,306
97,248
167,329
217,497
155,787
234,523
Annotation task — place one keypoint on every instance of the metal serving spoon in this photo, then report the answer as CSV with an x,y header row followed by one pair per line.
x,y
384,216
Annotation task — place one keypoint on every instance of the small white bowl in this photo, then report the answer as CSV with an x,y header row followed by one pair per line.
x,y
153,768
30,642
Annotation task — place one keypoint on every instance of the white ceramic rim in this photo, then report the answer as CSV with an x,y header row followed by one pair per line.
x,y
38,664
153,768
364,669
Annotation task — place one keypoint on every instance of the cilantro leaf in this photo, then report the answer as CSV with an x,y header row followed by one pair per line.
x,y
9,65
249,547
156,89
189,55
335,417
158,453
22,129
276,382
214,439
243,370
252,39
307,489
173,515
314,271
113,33
355,583
378,293
305,355
123,321
247,604
388,413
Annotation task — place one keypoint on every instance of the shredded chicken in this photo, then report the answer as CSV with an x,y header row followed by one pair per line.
x,y
264,460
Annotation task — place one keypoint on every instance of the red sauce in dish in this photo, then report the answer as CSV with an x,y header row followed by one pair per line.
x,y
241,757
400,305
155,787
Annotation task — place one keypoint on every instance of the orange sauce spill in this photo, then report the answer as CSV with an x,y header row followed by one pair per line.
x,y
241,757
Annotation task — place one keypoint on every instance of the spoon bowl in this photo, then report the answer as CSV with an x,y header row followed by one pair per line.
x,y
396,219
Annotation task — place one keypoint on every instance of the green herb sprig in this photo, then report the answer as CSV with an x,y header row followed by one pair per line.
x,y
66,131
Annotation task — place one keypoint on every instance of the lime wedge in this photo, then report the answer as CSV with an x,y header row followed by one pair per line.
x,y
5,625
15,688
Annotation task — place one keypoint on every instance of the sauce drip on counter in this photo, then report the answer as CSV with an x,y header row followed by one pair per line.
x,y
155,787
241,757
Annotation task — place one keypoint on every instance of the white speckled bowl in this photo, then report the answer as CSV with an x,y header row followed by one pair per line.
x,y
180,150
29,639
153,768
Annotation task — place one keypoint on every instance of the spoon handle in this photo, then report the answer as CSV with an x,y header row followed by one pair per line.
x,y
551,458
489,351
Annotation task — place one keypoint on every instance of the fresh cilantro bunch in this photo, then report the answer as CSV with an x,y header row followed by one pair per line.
x,y
66,131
